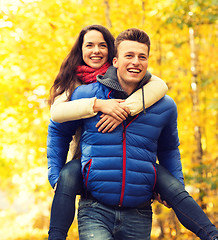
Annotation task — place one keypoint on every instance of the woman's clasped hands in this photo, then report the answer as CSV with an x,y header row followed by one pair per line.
x,y
114,113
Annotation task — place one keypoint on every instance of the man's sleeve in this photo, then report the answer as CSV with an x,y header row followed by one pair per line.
x,y
168,146
58,140
60,136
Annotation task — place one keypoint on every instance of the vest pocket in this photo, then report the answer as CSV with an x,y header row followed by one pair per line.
x,y
86,171
155,179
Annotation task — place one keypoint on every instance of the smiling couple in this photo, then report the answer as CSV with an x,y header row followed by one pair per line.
x,y
118,164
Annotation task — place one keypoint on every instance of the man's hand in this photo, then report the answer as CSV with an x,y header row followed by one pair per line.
x,y
107,123
158,198
112,107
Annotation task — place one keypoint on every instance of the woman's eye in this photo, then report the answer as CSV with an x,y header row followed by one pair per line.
x,y
104,46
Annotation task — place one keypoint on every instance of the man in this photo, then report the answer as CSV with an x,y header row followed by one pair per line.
x,y
119,167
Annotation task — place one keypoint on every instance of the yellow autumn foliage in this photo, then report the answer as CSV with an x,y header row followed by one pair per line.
x,y
35,37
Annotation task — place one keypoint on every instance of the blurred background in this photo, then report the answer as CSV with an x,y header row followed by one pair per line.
x,y
36,36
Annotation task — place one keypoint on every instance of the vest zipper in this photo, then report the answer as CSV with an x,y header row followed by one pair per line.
x,y
124,159
124,166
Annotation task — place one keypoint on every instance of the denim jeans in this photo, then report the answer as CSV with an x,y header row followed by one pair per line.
x,y
70,183
97,221
186,208
63,206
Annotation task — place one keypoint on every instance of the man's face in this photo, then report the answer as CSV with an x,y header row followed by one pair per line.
x,y
131,63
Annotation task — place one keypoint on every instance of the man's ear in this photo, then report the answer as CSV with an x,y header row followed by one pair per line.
x,y
115,64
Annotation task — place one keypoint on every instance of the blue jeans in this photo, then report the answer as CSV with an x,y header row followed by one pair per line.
x,y
186,208
97,221
70,183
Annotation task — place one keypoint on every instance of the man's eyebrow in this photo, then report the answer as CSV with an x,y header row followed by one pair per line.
x,y
134,53
144,54
129,52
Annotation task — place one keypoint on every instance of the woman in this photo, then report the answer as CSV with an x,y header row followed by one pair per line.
x,y
91,55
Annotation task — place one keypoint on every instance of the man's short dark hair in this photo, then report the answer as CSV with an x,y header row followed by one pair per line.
x,y
133,34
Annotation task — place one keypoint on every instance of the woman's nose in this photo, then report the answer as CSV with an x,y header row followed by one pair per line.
x,y
96,49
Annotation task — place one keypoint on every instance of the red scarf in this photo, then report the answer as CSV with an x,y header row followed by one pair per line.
x,y
88,75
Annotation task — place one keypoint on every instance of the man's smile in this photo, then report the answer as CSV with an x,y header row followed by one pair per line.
x,y
134,70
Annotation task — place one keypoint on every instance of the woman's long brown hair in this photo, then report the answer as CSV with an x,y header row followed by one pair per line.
x,y
67,78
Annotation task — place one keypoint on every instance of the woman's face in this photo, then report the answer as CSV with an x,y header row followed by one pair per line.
x,y
94,49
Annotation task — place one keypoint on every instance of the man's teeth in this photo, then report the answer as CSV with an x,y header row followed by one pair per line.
x,y
134,70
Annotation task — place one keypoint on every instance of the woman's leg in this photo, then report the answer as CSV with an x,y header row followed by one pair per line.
x,y
63,206
187,210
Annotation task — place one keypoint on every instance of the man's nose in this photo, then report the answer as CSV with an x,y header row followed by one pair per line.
x,y
135,60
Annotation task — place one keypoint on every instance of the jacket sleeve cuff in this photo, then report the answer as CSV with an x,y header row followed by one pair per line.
x,y
73,110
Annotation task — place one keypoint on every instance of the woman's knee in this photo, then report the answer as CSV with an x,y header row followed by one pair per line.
x,y
71,170
70,178
168,186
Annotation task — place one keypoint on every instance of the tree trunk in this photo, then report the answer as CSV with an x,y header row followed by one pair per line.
x,y
197,157
107,13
